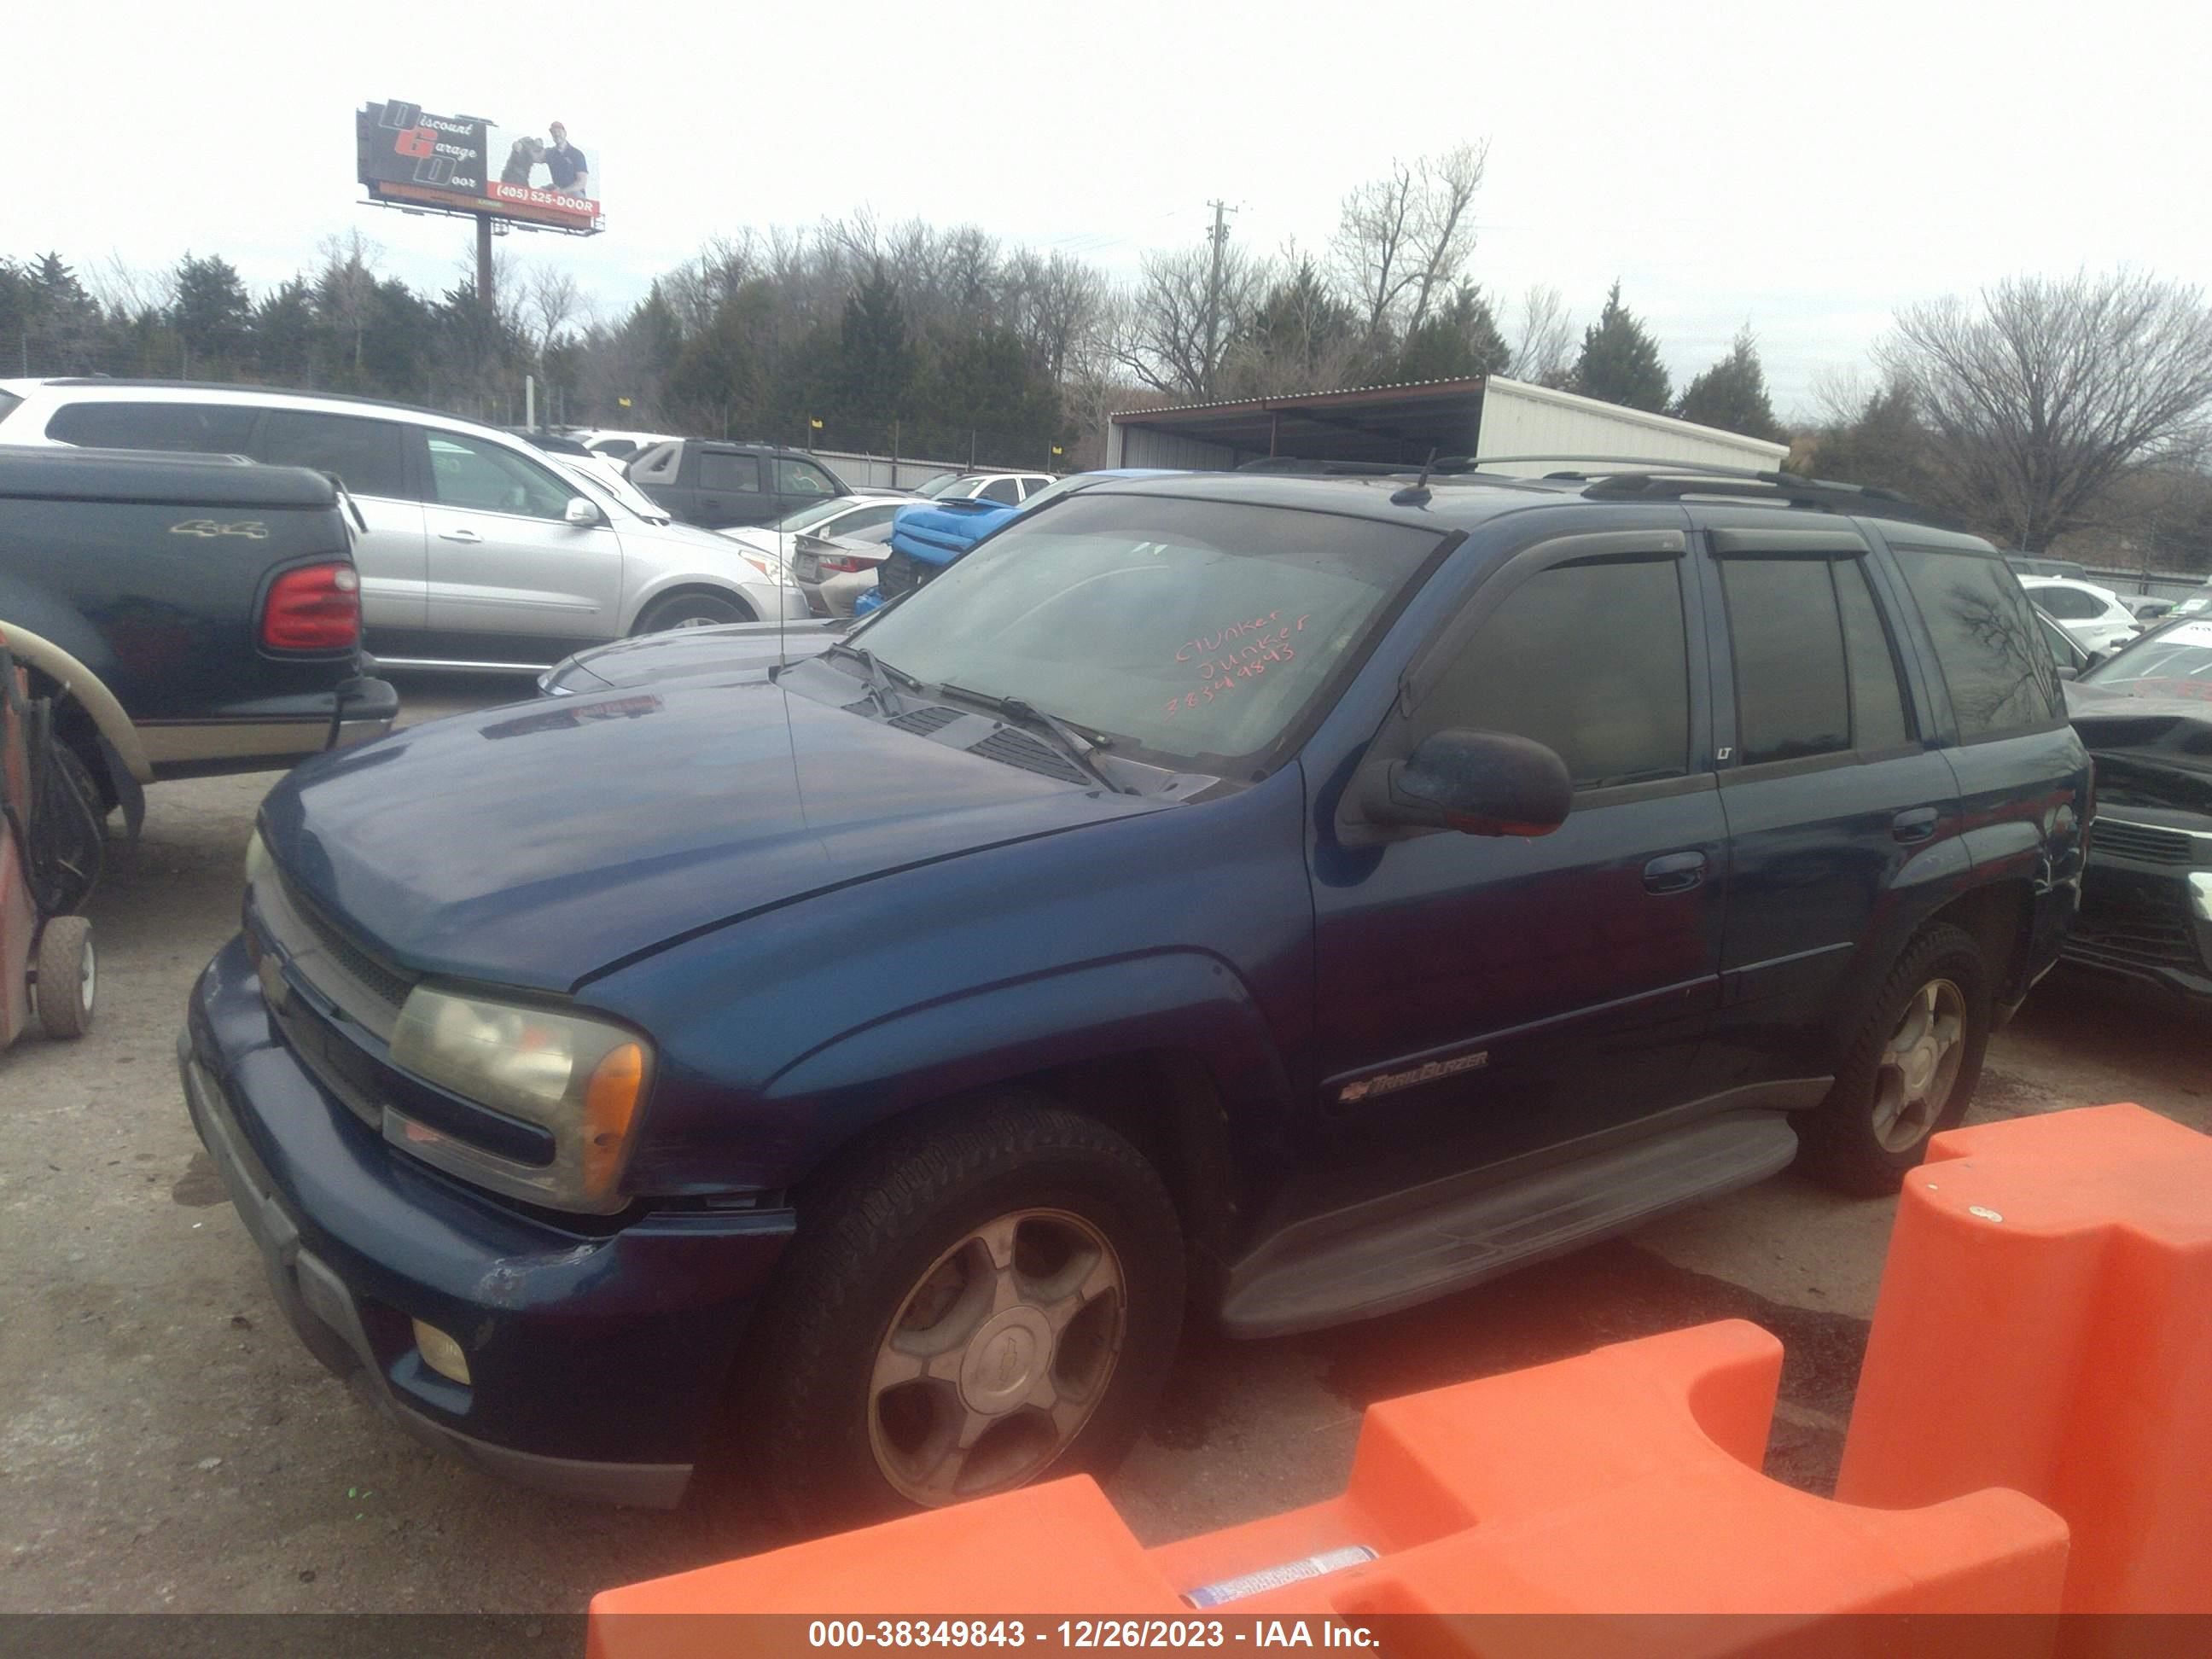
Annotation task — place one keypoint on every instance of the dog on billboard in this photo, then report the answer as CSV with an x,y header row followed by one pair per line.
x,y
526,153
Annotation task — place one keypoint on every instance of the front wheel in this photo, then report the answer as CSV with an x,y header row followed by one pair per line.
x,y
1912,1071
693,610
980,1303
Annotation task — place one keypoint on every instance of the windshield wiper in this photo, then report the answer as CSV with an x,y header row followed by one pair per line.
x,y
879,672
1079,747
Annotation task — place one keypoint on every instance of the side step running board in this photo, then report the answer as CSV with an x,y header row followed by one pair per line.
x,y
1375,1259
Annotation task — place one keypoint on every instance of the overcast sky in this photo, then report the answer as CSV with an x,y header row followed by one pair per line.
x,y
1804,168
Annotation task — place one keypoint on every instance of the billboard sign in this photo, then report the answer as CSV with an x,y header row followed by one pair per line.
x,y
462,164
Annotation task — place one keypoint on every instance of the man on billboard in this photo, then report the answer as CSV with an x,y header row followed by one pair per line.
x,y
572,173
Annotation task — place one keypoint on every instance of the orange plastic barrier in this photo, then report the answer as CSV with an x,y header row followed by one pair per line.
x,y
1625,1482
2046,1323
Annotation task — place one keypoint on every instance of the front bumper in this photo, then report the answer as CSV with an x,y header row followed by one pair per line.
x,y
2145,921
597,1359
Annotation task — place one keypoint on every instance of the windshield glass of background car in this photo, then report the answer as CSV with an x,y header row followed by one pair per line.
x,y
812,512
2177,663
1197,629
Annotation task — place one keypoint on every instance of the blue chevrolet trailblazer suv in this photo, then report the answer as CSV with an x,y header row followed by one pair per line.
x,y
1266,900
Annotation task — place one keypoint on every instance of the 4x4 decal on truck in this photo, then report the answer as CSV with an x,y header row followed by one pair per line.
x,y
252,528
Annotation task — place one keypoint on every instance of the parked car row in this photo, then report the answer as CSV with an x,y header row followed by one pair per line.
x,y
475,548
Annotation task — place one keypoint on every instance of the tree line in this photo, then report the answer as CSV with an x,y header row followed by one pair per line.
x,y
2041,409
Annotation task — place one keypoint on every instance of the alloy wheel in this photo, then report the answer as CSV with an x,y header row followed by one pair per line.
x,y
997,1357
1919,1066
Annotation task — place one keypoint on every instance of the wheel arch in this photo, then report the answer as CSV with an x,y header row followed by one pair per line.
x,y
75,685
678,586
1170,1050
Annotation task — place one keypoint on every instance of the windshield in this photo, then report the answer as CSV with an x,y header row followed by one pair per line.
x,y
936,486
2174,663
1200,631
812,512
9,404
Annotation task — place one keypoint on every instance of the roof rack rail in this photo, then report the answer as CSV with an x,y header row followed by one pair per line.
x,y
1622,477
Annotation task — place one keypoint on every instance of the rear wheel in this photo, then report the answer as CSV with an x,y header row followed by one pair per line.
x,y
68,976
1912,1070
980,1303
696,609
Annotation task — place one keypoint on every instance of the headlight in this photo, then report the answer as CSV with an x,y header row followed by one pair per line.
x,y
257,859
581,1079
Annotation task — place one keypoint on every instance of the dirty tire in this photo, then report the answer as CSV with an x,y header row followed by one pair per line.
x,y
66,984
693,610
1841,1143
804,1398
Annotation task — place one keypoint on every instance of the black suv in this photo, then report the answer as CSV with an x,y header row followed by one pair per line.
x,y
719,485
1292,899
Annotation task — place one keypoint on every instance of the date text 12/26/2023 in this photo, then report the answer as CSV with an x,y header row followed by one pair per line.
x,y
1082,1634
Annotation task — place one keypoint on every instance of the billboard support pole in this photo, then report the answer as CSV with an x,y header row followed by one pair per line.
x,y
483,259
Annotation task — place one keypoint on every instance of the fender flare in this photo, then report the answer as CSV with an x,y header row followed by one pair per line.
x,y
86,689
1182,1000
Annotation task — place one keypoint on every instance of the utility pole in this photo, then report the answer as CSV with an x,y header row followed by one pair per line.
x,y
1219,237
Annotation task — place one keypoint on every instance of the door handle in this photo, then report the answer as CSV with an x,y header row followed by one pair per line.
x,y
1916,823
1675,872
470,535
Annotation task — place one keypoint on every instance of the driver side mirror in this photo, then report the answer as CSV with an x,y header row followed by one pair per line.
x,y
583,512
1479,783
2094,659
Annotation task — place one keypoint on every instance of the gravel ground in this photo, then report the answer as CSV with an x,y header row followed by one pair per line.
x,y
167,1444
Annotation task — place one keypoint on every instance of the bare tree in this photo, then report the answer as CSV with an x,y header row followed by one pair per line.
x,y
2050,391
1543,337
345,288
1055,302
552,301
1163,324
1404,238
124,290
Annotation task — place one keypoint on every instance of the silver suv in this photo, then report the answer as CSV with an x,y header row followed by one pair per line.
x,y
481,551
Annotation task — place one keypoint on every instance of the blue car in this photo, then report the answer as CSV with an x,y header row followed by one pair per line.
x,y
1270,900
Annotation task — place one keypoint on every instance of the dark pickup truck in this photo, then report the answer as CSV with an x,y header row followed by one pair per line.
x,y
189,614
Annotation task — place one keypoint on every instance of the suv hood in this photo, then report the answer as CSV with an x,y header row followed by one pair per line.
x,y
685,653
536,844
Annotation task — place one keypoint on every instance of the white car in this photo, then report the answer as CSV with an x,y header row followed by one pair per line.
x,y
2093,615
480,552
838,515
620,447
1011,488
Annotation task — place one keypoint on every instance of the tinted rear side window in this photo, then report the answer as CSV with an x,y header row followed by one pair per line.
x,y
1793,697
1878,719
1589,660
9,403
206,429
741,473
1998,670
369,457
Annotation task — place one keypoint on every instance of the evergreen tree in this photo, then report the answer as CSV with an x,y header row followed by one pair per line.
x,y
1619,361
210,311
1732,394
874,372
1458,338
285,335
